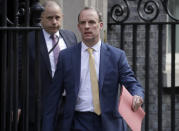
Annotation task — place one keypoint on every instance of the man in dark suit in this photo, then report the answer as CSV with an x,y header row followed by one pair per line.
x,y
51,19
91,96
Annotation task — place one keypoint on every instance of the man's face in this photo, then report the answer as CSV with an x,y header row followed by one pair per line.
x,y
89,26
51,19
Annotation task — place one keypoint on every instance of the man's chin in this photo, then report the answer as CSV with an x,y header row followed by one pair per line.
x,y
89,40
53,32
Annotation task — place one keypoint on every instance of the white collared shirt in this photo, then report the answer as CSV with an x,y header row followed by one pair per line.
x,y
84,99
61,44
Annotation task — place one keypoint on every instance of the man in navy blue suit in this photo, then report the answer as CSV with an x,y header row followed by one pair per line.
x,y
74,69
51,20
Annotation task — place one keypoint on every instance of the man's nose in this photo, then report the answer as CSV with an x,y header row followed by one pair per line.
x,y
86,25
54,20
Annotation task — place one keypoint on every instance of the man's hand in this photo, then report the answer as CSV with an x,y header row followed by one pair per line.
x,y
136,102
19,113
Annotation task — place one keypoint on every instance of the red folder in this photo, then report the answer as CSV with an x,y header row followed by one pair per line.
x,y
133,119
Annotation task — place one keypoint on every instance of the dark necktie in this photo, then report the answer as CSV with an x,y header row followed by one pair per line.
x,y
56,48
94,82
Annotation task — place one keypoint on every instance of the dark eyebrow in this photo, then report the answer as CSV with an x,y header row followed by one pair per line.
x,y
92,21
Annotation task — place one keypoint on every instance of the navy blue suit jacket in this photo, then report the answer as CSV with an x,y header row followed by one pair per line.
x,y
113,70
45,67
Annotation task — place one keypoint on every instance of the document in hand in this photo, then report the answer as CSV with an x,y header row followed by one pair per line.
x,y
133,119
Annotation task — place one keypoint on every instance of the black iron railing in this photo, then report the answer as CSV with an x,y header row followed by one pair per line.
x,y
17,19
151,17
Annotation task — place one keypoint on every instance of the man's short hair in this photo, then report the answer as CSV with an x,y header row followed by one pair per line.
x,y
50,1
91,8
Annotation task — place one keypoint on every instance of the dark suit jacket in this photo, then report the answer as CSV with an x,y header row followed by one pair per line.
x,y
45,68
113,70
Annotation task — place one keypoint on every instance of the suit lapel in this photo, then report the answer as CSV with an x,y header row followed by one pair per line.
x,y
76,59
44,52
66,40
103,62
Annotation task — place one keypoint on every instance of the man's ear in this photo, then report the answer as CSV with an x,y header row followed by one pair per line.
x,y
101,25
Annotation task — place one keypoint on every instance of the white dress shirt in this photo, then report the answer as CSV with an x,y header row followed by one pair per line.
x,y
61,44
84,99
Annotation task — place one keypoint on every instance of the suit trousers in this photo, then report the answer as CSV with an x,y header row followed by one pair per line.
x,y
86,121
59,114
